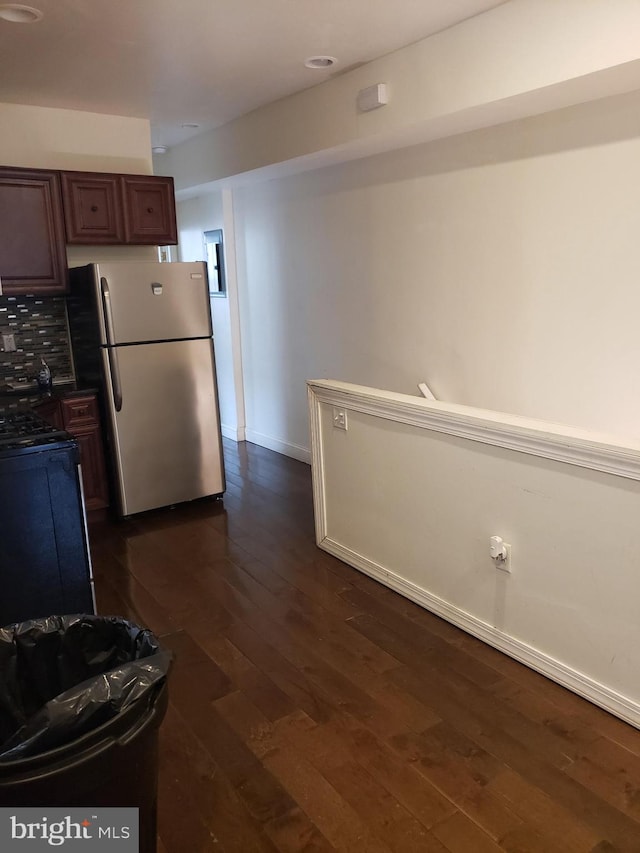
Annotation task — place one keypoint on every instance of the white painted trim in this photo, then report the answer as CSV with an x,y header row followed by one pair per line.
x,y
317,465
232,433
231,275
586,449
284,447
578,682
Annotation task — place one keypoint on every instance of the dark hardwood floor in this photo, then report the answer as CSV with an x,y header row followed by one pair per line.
x,y
313,709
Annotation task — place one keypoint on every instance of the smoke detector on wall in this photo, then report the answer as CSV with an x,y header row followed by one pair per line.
x,y
373,97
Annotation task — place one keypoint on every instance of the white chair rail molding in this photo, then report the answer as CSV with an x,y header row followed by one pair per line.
x,y
411,491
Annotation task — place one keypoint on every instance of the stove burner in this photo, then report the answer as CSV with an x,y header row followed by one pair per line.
x,y
26,429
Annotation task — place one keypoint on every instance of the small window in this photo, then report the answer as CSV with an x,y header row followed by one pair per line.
x,y
215,262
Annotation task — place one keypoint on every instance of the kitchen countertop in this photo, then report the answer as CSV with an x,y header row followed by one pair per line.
x,y
31,394
32,389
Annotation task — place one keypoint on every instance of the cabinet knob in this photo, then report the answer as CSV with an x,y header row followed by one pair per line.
x,y
94,208
149,210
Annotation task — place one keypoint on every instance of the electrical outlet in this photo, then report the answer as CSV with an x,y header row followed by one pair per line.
x,y
504,565
339,418
9,342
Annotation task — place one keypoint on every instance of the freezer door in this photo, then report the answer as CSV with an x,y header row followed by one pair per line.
x,y
166,435
147,301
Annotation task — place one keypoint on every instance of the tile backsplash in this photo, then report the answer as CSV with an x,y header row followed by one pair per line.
x,y
39,325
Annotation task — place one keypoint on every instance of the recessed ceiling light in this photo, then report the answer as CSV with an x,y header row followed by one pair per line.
x,y
320,61
159,149
18,14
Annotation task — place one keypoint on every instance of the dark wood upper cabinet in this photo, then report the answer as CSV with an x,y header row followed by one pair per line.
x,y
32,245
149,208
119,209
92,207
42,211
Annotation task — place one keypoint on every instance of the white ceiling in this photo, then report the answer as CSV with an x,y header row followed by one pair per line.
x,y
200,61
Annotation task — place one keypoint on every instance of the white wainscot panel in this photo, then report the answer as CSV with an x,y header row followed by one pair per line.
x,y
412,490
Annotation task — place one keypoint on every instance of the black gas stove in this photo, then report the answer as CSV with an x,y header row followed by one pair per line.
x,y
24,431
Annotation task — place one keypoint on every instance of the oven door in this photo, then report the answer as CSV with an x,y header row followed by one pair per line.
x,y
44,558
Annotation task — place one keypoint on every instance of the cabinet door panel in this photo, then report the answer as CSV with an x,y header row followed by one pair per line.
x,y
149,210
32,248
80,410
94,479
92,208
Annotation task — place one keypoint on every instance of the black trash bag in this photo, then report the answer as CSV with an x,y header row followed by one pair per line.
x,y
63,676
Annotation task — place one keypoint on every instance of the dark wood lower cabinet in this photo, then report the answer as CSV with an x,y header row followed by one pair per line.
x,y
78,415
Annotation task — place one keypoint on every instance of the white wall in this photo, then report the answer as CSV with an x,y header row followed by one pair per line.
x,y
195,216
44,138
501,267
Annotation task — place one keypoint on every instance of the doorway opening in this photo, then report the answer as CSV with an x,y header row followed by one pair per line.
x,y
214,249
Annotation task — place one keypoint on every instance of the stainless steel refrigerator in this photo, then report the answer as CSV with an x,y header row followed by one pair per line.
x,y
141,331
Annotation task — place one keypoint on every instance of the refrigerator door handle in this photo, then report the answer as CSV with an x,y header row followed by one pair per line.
x,y
108,313
112,355
111,352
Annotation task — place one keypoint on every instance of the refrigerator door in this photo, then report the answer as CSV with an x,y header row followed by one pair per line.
x,y
148,301
166,436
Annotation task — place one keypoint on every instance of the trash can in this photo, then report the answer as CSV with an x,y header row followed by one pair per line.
x,y
81,701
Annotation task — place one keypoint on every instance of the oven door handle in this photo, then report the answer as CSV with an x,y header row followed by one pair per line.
x,y
112,353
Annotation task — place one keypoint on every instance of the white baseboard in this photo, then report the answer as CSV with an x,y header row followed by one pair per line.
x,y
234,433
574,680
302,454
